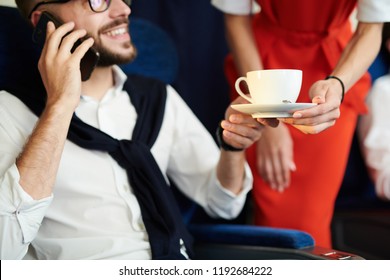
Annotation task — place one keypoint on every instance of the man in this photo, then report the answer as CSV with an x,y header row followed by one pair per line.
x,y
69,189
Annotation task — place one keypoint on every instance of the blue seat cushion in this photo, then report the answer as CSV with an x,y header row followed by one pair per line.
x,y
249,235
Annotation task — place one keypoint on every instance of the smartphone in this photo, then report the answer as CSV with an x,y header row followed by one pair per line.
x,y
91,57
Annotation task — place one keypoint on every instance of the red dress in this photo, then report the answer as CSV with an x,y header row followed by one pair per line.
x,y
308,35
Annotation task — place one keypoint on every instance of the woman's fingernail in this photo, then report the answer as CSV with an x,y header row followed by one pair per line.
x,y
297,115
293,166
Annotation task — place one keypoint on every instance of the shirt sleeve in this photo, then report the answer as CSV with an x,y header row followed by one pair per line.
x,y
235,7
373,10
193,163
20,214
374,131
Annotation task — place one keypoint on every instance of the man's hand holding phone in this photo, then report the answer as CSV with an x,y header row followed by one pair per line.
x,y
60,67
89,59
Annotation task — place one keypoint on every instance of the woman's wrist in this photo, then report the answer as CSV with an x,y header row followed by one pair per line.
x,y
341,83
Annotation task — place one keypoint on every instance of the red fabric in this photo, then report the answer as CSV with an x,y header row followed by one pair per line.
x,y
308,35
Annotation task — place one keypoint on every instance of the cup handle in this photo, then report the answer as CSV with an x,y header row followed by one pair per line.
x,y
237,86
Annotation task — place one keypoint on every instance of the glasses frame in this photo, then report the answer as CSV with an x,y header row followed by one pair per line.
x,y
128,2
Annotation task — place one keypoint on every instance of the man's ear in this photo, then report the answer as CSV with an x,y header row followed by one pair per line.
x,y
35,16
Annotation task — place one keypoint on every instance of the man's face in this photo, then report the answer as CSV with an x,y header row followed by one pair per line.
x,y
114,44
109,29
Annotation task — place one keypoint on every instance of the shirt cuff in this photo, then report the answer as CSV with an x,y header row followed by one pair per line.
x,y
228,205
15,202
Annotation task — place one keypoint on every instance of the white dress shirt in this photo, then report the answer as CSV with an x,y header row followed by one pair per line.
x,y
93,213
367,10
374,133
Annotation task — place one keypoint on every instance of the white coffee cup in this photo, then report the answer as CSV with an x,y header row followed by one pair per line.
x,y
272,86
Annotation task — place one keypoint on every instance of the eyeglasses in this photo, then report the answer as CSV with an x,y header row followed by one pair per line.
x,y
98,6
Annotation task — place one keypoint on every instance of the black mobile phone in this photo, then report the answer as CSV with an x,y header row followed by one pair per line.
x,y
91,57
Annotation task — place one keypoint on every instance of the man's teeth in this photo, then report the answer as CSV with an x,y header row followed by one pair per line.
x,y
116,32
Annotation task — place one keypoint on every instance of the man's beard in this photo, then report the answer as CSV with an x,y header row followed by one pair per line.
x,y
108,58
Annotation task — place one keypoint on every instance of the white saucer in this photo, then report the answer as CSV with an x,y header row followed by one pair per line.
x,y
271,110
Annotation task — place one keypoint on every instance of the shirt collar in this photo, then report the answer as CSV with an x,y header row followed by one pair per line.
x,y
119,80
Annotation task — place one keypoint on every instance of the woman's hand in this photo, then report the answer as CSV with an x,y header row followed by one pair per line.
x,y
274,157
327,94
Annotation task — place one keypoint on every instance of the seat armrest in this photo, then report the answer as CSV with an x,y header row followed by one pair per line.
x,y
207,251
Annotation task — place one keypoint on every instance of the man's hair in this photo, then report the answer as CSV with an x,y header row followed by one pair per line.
x,y
25,6
385,38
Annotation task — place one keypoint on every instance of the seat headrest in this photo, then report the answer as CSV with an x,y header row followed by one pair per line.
x,y
157,53
18,54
